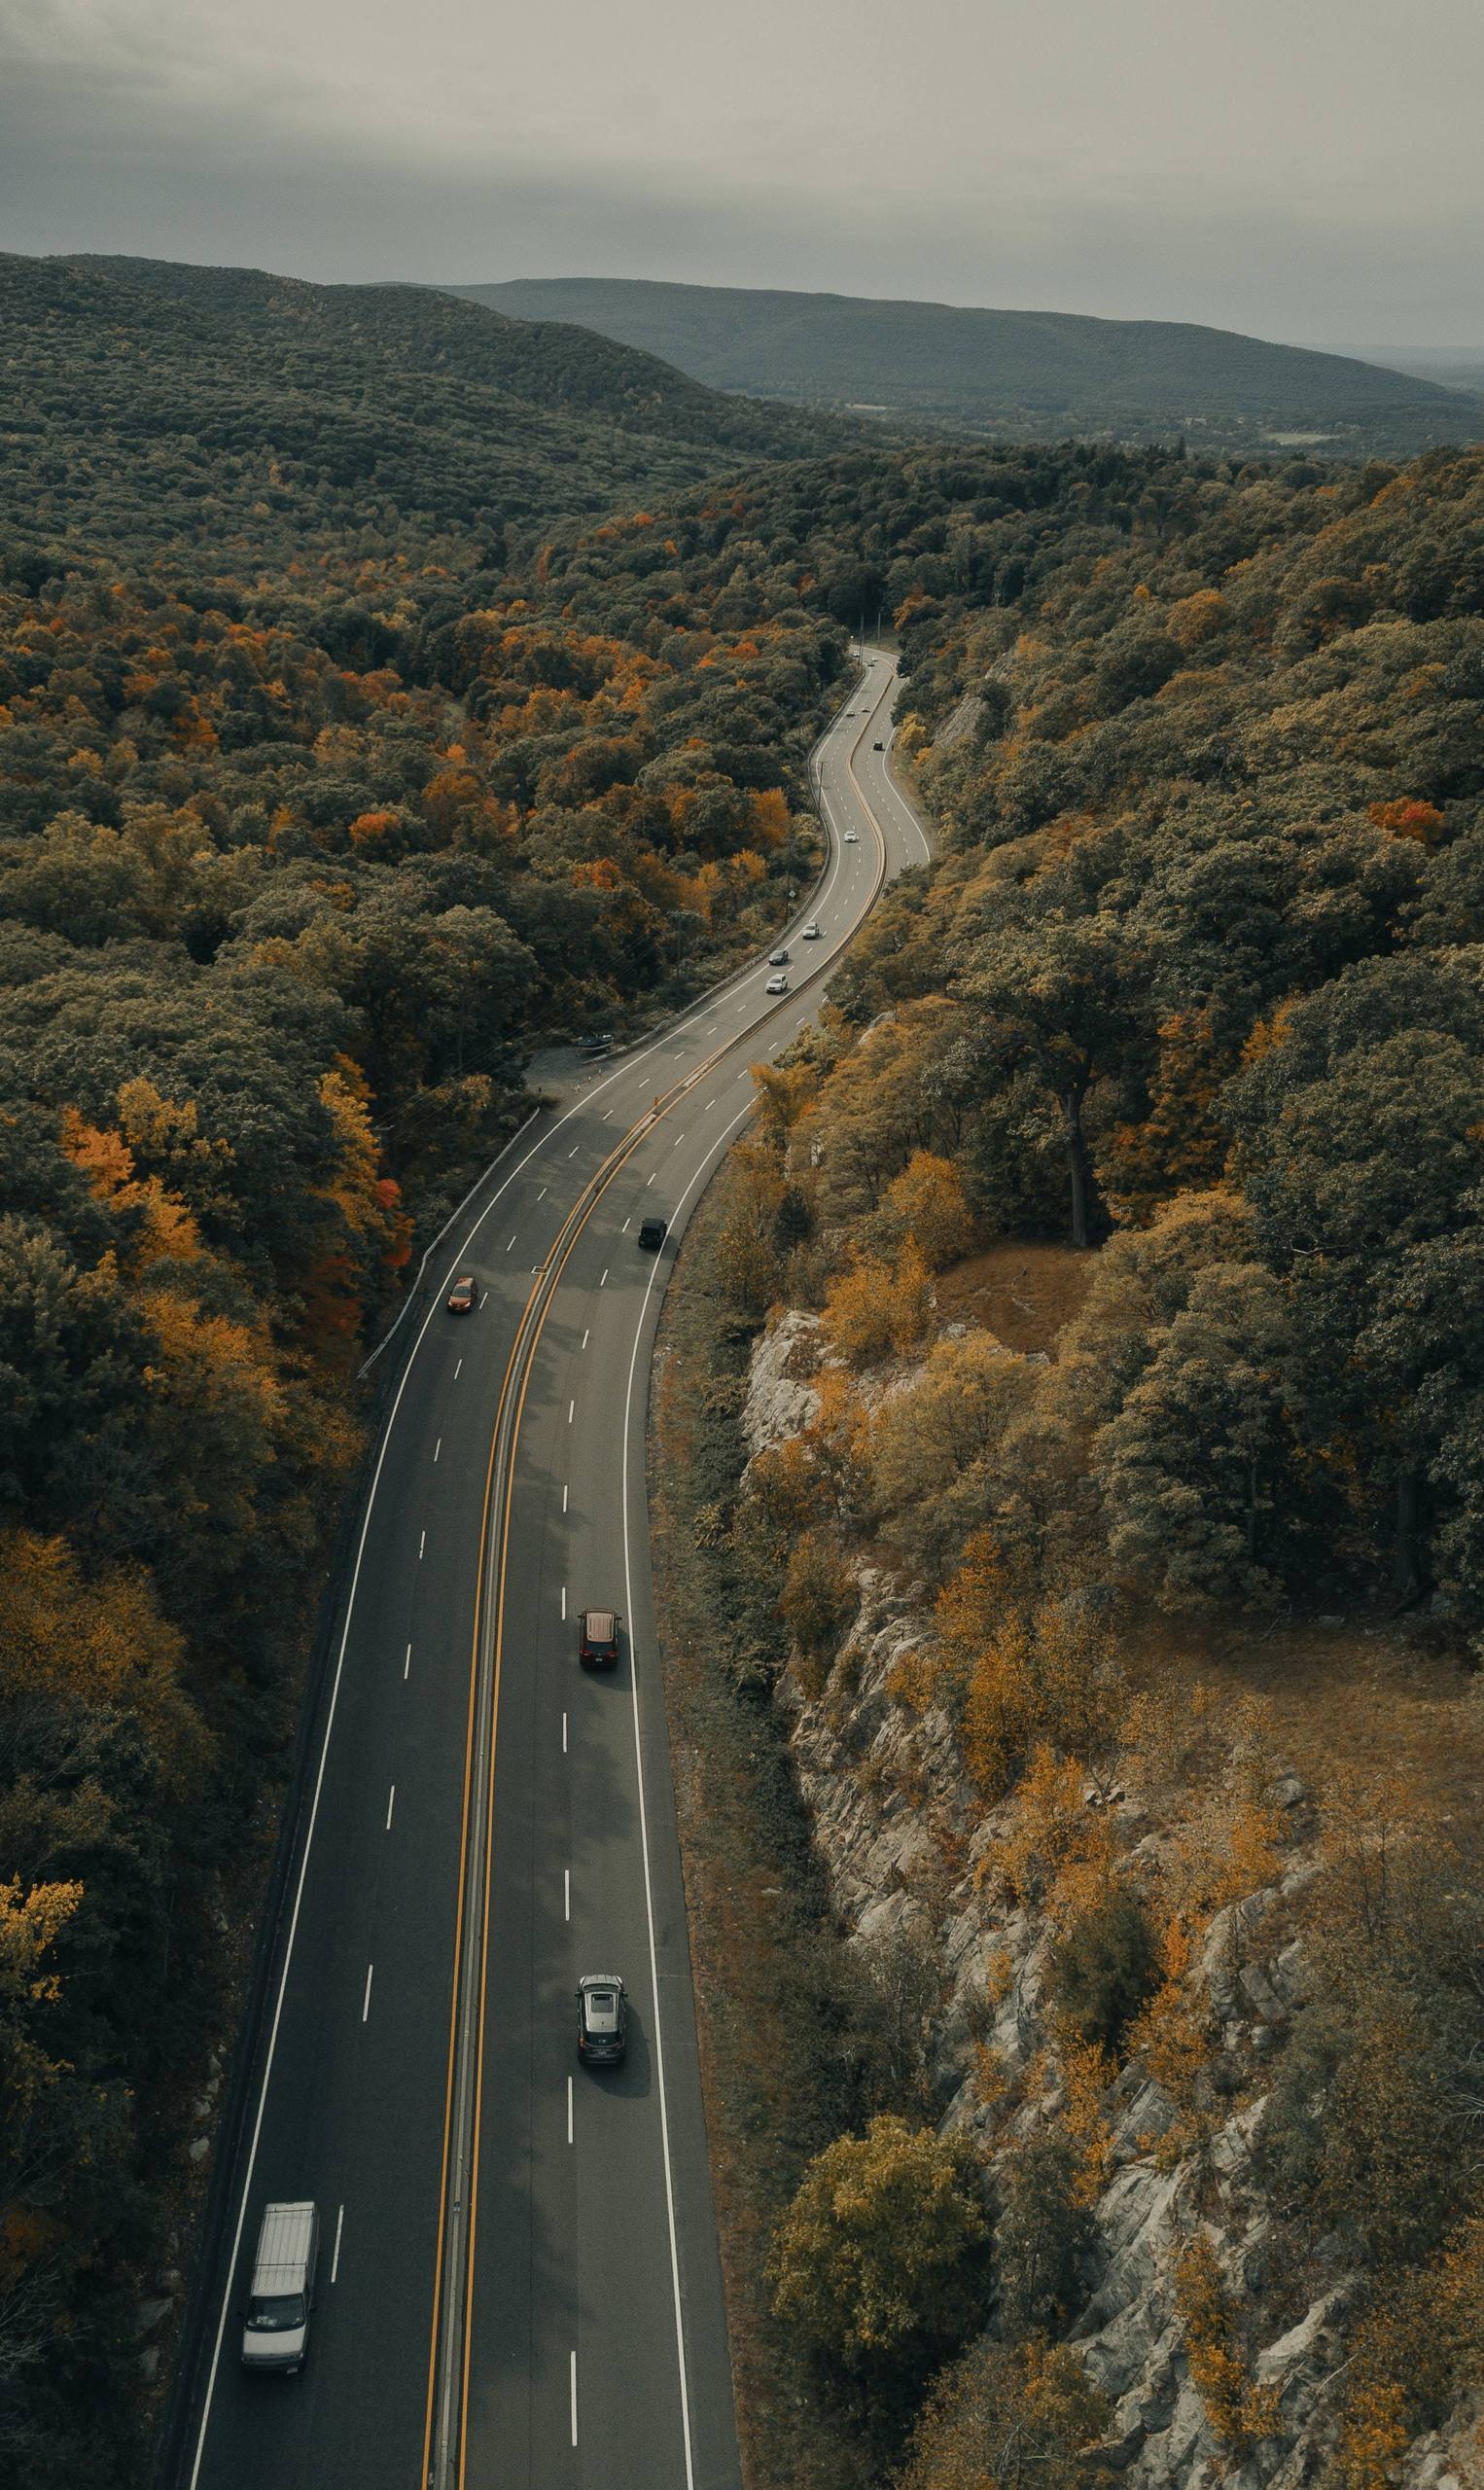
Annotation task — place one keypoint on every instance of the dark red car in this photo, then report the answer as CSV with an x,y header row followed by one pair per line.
x,y
463,1295
597,1638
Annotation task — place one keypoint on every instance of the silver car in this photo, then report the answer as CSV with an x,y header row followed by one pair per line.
x,y
602,2018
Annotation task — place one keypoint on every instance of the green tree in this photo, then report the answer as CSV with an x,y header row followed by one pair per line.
x,y
881,2260
1197,1472
1105,1966
1044,2240
1054,990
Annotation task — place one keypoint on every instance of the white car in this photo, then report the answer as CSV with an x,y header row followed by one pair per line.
x,y
810,932
852,838
776,985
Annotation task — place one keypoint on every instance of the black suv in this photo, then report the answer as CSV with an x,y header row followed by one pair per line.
x,y
602,2018
652,1233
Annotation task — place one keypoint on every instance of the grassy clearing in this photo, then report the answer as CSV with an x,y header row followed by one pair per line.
x,y
1025,1294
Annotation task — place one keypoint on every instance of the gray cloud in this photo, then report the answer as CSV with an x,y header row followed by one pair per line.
x,y
1300,177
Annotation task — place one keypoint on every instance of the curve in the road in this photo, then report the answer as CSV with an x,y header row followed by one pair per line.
x,y
345,2114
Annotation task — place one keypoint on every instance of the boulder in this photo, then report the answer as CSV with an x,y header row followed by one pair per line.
x,y
779,1403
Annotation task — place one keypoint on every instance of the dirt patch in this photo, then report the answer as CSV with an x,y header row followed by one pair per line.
x,y
1369,1703
1024,1293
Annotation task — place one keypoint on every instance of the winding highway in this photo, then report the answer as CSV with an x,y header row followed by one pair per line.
x,y
519,2282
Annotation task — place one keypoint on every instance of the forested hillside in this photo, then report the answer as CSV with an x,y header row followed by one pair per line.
x,y
334,735
311,824
1009,376
237,418
1110,1270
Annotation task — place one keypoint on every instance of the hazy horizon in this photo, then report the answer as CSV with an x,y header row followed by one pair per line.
x,y
1304,180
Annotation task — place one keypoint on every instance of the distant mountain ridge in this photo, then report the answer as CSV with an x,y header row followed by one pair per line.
x,y
202,409
1006,374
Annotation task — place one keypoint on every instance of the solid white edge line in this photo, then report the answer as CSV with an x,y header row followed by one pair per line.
x,y
712,1151
303,1864
522,1164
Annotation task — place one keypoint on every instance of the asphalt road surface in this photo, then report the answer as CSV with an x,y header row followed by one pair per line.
x,y
519,2281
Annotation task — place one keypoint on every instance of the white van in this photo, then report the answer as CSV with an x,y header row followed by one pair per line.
x,y
276,2321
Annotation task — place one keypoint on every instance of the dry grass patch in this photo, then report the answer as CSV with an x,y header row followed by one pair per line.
x,y
1378,1706
1024,1293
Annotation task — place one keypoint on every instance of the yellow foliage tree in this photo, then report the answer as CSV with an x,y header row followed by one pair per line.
x,y
370,1226
1419,2346
784,1090
1040,1674
100,1641
165,1140
927,1202
874,1309
743,1256
29,1923
1239,2411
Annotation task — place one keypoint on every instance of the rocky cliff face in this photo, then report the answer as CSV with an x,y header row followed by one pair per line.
x,y
906,1842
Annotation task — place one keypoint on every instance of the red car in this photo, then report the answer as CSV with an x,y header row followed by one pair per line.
x,y
463,1295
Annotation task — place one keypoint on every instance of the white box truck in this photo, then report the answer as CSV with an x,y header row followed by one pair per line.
x,y
275,2324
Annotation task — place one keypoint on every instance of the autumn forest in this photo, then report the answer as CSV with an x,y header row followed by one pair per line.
x,y
389,692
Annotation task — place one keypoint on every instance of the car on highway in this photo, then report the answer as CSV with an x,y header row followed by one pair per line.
x,y
602,2018
778,985
597,1638
810,932
463,1295
778,959
276,2323
852,838
878,747
652,1233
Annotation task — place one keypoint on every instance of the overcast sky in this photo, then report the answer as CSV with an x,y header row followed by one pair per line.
x,y
1305,169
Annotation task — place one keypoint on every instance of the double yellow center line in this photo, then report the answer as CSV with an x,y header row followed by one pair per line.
x,y
449,2355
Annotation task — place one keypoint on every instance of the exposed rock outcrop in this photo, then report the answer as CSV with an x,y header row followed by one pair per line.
x,y
905,1839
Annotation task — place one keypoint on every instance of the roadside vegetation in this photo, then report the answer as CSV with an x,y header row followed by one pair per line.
x,y
1182,1592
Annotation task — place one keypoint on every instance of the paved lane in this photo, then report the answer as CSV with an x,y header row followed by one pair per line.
x,y
596,2337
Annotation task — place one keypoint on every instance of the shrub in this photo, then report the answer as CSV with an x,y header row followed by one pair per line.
x,y
1019,2419
815,1602
1106,1966
1044,2240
